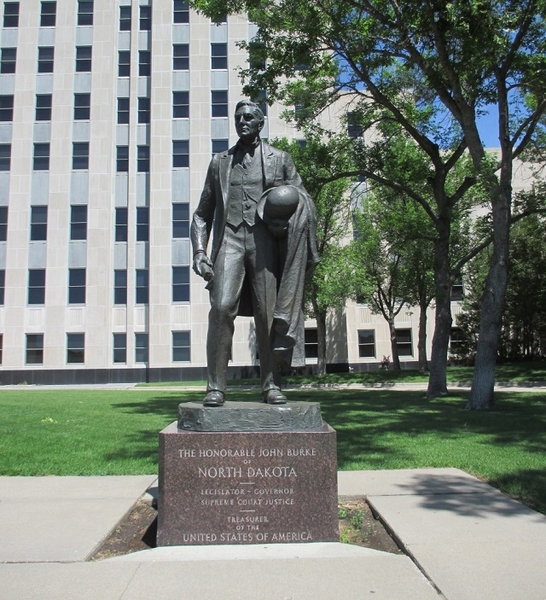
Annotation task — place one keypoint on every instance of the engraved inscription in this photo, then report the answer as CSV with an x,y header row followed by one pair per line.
x,y
247,488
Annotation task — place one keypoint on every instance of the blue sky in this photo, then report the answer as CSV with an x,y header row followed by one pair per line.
x,y
488,126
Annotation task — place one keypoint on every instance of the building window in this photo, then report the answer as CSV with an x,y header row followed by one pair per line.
x,y
80,156
219,103
404,343
35,349
181,220
124,63
366,343
36,286
6,108
181,346
181,57
355,129
41,157
5,157
76,286
38,223
141,347
123,111
219,146
1,347
82,107
125,18
311,343
142,223
75,348
45,59
120,348
181,105
145,22
218,56
121,224
11,14
78,222
120,286
122,159
3,223
142,286
181,12
181,284
144,110
181,153
47,14
144,63
43,107
143,159
8,59
85,12
83,59
457,290
456,341
2,286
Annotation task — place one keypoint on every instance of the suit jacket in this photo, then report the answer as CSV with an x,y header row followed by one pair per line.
x,y
211,213
300,252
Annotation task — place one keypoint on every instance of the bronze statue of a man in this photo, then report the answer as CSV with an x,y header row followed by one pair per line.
x,y
263,228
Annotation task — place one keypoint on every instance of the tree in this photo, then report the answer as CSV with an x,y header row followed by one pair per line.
x,y
412,63
332,281
393,247
524,323
523,335
401,176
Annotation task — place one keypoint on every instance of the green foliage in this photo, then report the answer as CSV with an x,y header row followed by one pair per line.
x,y
524,319
413,58
343,512
357,519
430,69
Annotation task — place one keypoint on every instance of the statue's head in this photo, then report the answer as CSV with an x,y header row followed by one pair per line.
x,y
249,120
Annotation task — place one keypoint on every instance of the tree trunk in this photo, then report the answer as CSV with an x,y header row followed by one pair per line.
x,y
482,393
437,382
395,362
422,342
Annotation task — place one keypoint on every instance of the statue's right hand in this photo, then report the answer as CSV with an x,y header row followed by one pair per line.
x,y
202,266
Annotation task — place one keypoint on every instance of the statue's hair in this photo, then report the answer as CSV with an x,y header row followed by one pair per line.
x,y
258,113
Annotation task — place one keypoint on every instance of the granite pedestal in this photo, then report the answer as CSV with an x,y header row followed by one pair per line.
x,y
270,476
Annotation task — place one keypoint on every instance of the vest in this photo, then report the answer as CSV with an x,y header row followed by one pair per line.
x,y
245,187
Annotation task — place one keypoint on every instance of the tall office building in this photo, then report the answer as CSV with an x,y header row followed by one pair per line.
x,y
110,111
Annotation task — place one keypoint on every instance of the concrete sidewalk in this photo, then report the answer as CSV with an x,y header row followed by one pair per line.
x,y
465,540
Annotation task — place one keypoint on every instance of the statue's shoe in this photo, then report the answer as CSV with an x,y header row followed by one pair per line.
x,y
214,398
274,397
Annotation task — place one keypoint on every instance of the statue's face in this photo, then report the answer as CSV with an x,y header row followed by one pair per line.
x,y
247,124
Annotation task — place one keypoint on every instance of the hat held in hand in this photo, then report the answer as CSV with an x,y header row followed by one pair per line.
x,y
278,203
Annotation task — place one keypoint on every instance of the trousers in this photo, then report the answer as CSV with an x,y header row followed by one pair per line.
x,y
251,252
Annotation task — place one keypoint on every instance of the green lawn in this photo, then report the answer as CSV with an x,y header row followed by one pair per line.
x,y
114,432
